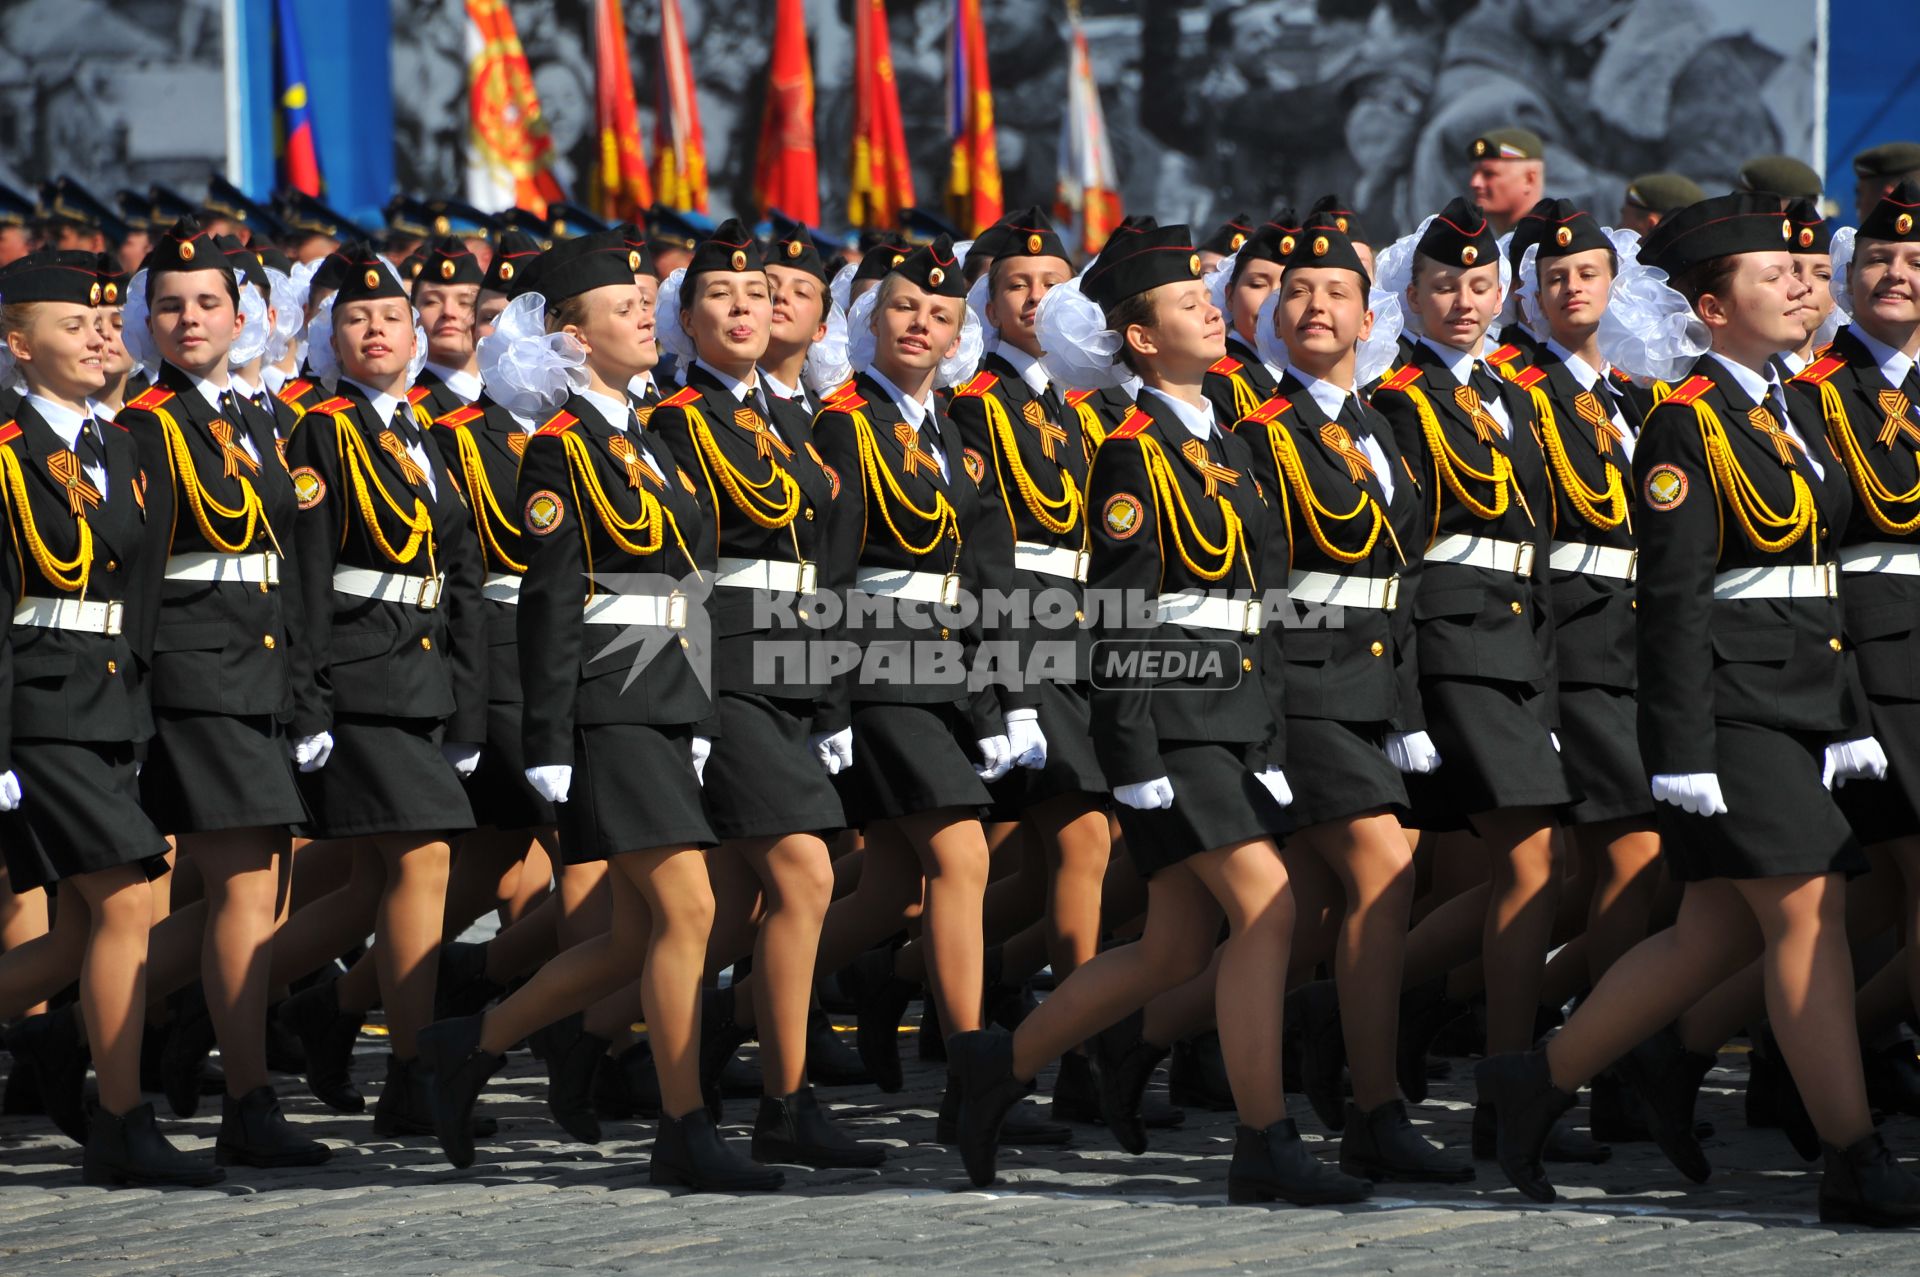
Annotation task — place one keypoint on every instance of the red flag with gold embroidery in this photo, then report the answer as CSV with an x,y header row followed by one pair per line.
x,y
679,150
882,174
1089,191
509,155
622,187
789,170
973,176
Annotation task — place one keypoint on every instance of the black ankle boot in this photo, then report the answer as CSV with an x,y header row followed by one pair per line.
x,y
190,1039
458,1070
879,1005
720,1037
1023,1126
254,1132
1274,1165
830,1061
327,1035
1323,1053
1519,1091
1424,1011
1666,1077
689,1153
1197,1074
284,1052
405,1106
625,1085
573,1058
1076,1098
1006,1003
128,1149
981,1074
461,986
794,1128
1866,1184
1893,1077
1565,1144
1613,1111
1124,1062
49,1046
1382,1145
1773,1098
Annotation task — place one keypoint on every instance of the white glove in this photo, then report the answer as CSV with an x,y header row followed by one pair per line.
x,y
1697,793
1029,742
1149,795
702,750
9,791
1854,760
1555,738
463,757
1276,784
1412,753
310,753
552,781
996,754
834,750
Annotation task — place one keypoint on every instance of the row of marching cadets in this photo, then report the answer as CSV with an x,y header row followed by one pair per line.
x,y
484,609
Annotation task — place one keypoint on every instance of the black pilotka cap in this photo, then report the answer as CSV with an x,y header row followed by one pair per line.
x,y
185,246
272,258
991,242
366,276
1529,230
1271,241
1029,233
411,265
1459,235
731,248
446,259
113,279
877,261
1896,216
1566,229
791,245
1741,222
511,258
639,256
934,269
53,275
1146,259
580,265
1229,235
246,261
1321,244
1811,234
332,269
1345,220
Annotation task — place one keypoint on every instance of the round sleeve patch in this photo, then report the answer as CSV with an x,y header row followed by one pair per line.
x,y
1666,487
545,510
1123,515
308,487
976,465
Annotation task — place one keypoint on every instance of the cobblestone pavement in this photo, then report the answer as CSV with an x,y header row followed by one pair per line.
x,y
536,1203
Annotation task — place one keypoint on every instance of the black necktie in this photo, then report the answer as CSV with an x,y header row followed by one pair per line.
x,y
1051,404
1484,384
92,448
403,426
1911,386
1353,419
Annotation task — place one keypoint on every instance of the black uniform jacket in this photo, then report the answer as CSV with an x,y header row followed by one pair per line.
x,y
1238,383
436,397
481,444
1098,412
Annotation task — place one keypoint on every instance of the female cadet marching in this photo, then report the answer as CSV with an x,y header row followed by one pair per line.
x,y
1241,381
79,573
1746,718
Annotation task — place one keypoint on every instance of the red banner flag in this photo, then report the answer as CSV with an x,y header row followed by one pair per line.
x,y
789,171
973,177
509,155
882,174
1089,193
679,151
622,188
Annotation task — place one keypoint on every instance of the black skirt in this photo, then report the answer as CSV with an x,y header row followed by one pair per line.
x,y
633,789
1216,803
1495,753
1340,770
1600,749
208,771
79,813
909,759
1072,768
498,788
1780,819
761,780
385,776
1881,810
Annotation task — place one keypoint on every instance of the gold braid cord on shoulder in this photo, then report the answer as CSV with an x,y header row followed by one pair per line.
x,y
1604,508
358,462
1058,515
755,500
650,524
1169,499
1454,473
1737,494
492,523
205,509
66,575
882,485
1245,400
1286,455
1875,496
1092,433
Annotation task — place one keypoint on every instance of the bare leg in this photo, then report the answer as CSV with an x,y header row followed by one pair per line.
x,y
1074,833
953,856
242,876
1519,921
1627,855
22,918
407,935
113,994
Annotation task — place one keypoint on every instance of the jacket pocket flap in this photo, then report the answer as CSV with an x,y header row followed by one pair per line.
x,y
1308,646
1459,601
1772,644
192,636
358,645
49,665
1883,621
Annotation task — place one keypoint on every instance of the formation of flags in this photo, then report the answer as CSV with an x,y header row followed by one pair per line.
x,y
621,185
973,176
297,155
882,175
1089,196
680,152
509,154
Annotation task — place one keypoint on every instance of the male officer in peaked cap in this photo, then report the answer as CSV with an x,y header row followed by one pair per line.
x,y
1509,174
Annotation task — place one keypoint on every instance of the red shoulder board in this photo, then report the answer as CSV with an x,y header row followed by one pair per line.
x,y
839,391
418,393
1505,355
1528,378
1133,423
1270,409
460,416
293,390
1821,369
1403,376
680,398
1077,397
8,433
339,403
982,382
558,424
1689,390
1226,366
845,401
150,398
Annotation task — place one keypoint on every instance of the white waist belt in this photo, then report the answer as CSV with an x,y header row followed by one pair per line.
x,y
390,587
1789,581
260,567
1199,612
1483,552
669,610
1594,560
1050,560
501,587
1881,556
768,574
1340,589
70,614
915,587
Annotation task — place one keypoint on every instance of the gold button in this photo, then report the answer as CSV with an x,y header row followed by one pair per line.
x,y
268,640
803,614
113,565
683,643
426,644
809,513
944,632
1517,609
1378,648
1246,662
1834,644
1079,616
113,667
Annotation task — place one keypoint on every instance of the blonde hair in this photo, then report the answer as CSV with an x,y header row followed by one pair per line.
x,y
17,317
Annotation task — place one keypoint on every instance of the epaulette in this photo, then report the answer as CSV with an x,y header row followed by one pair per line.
x,y
1528,378
1270,409
1821,369
150,398
338,403
982,382
843,389
1077,397
415,395
1226,366
558,424
1132,424
1505,355
8,433
293,390
1689,390
679,398
459,416
846,401
1402,377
